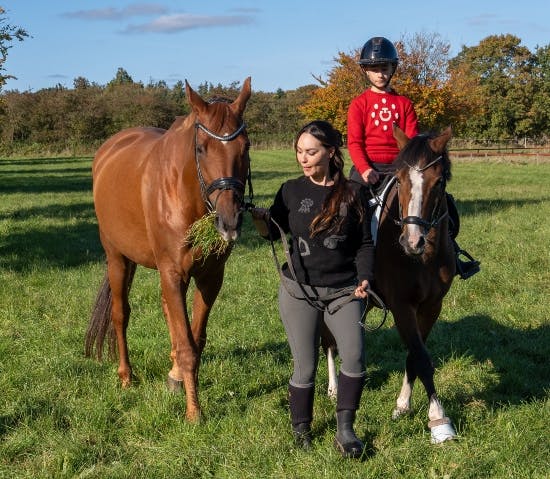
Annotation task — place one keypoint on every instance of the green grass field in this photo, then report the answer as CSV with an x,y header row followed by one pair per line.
x,y
65,416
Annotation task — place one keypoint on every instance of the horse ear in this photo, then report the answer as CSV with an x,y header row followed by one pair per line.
x,y
400,136
240,102
439,143
197,103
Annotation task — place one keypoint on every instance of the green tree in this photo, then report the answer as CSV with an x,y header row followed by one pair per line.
x,y
122,77
502,69
540,106
8,33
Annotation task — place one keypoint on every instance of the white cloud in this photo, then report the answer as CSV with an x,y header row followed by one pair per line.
x,y
133,10
186,21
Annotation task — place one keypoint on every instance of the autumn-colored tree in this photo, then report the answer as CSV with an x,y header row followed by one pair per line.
x,y
331,100
421,75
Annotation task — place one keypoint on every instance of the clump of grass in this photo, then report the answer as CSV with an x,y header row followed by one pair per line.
x,y
203,237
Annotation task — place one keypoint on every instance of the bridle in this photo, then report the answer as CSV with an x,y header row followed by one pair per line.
x,y
225,182
436,215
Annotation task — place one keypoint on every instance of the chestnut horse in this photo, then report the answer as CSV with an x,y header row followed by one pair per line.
x,y
149,186
415,263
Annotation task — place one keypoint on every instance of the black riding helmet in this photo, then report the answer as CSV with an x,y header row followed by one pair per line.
x,y
378,51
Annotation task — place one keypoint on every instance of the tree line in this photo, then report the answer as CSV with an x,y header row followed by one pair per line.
x,y
495,90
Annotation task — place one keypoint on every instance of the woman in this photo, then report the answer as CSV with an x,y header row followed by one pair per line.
x,y
327,273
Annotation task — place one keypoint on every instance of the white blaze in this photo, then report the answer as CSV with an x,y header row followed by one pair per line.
x,y
415,203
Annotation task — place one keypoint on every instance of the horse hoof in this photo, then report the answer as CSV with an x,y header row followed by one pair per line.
x,y
442,430
194,417
174,385
399,412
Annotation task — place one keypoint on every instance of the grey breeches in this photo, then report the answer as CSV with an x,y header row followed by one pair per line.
x,y
302,325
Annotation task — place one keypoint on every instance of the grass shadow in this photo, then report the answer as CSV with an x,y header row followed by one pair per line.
x,y
67,246
480,206
518,357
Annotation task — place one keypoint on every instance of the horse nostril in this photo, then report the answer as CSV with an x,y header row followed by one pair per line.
x,y
421,242
228,228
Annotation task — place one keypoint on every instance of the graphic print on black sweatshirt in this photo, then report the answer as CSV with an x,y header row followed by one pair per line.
x,y
305,205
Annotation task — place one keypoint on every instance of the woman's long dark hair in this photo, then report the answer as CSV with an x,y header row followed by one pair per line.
x,y
341,196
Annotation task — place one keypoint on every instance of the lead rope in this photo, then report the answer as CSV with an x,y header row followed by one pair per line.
x,y
319,302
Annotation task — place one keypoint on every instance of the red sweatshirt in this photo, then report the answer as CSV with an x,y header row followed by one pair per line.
x,y
370,119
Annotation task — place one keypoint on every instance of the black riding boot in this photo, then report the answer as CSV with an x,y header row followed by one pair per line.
x,y
349,396
465,269
301,413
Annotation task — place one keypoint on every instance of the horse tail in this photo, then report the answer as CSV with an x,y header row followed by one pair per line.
x,y
100,326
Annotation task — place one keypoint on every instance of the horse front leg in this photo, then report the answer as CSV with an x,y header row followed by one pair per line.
x,y
184,350
440,425
206,292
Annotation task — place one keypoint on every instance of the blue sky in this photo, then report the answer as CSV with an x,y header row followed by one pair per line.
x,y
279,43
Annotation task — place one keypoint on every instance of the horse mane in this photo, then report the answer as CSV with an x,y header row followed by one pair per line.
x,y
419,147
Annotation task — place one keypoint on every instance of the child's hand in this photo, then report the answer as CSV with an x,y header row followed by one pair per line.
x,y
370,176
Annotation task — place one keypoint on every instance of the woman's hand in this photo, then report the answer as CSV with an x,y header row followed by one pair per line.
x,y
260,217
361,290
370,176
259,213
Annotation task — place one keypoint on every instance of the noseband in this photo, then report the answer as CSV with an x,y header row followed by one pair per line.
x,y
225,182
436,217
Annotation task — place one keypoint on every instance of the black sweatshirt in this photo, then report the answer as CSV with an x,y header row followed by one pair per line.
x,y
333,259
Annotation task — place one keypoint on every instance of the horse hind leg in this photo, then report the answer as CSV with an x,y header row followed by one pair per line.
x,y
332,390
403,402
121,273
328,343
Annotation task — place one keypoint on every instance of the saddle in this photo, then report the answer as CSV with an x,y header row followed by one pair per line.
x,y
378,201
378,193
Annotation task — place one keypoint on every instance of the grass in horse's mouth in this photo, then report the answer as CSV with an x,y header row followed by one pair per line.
x,y
205,238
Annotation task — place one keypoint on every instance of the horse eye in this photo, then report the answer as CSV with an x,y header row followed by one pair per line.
x,y
201,149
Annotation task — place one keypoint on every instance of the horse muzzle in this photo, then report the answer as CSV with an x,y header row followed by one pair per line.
x,y
413,245
229,226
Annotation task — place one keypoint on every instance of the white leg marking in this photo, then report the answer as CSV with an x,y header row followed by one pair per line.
x,y
440,425
332,375
403,403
